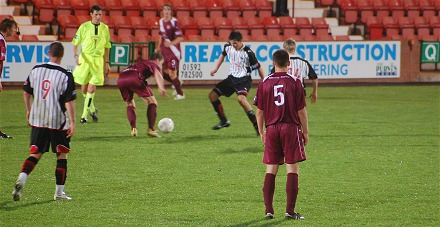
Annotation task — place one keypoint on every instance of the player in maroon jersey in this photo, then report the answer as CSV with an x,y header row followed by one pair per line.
x,y
169,45
8,27
281,109
133,81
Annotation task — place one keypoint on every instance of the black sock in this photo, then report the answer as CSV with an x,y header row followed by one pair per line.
x,y
218,107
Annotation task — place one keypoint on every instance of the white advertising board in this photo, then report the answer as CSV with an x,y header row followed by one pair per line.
x,y
331,60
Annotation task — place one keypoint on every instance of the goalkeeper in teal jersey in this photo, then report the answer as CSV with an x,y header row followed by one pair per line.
x,y
93,62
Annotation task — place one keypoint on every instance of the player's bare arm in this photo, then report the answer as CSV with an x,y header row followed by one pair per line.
x,y
260,123
107,61
70,107
159,80
174,42
218,64
302,114
75,54
261,73
314,95
27,102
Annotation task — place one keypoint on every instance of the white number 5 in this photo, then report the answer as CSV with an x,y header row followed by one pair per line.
x,y
277,93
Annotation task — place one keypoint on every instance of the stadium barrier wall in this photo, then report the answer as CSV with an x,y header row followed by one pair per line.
x,y
336,62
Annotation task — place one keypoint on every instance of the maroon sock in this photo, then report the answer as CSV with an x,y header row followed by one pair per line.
x,y
131,115
151,115
268,191
218,108
167,77
61,171
29,165
178,86
291,191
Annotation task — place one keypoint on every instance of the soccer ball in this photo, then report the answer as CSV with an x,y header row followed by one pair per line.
x,y
166,125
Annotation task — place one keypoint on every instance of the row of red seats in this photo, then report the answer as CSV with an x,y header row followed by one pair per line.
x,y
47,10
358,11
205,26
417,27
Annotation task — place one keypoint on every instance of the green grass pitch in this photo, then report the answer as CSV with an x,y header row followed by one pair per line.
x,y
373,159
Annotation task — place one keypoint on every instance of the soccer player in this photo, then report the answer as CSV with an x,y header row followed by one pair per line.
x,y
169,45
303,66
94,38
281,108
134,80
243,62
8,27
53,91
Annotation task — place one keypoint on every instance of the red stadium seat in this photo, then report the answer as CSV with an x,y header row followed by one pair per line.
x,y
122,25
68,25
131,7
213,38
81,7
13,38
127,38
247,8
82,19
45,11
264,8
30,38
304,26
255,25
194,38
375,28
366,9
198,8
153,24
296,38
288,26
434,21
427,7
239,24
214,8
342,38
330,4
412,8
407,27
391,26
428,38
397,8
231,8
159,6
109,22
320,26
139,26
350,11
259,37
181,8
206,26
114,8
62,7
422,26
325,37
276,37
189,26
271,25
148,8
114,38
381,8
309,38
223,26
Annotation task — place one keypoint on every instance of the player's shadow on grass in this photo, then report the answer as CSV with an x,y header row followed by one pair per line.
x,y
12,205
261,222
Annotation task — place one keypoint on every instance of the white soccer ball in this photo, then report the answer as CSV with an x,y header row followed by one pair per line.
x,y
166,125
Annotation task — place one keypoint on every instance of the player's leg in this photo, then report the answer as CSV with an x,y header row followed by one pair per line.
x,y
131,116
61,147
242,100
97,79
39,145
151,115
220,89
172,72
88,104
269,188
292,191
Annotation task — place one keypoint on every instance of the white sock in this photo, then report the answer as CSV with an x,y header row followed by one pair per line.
x,y
23,177
59,189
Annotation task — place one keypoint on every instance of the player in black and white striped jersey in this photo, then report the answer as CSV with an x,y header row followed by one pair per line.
x,y
53,91
242,63
303,66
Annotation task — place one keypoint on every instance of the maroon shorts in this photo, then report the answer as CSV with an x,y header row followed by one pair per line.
x,y
130,82
284,144
170,60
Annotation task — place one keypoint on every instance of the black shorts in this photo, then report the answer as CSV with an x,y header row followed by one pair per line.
x,y
42,138
232,85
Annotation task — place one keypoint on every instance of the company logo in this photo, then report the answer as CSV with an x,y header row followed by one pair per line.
x,y
386,69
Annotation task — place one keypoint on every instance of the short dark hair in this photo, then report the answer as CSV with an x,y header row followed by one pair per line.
x,y
168,5
95,8
7,23
235,35
56,49
156,56
281,58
